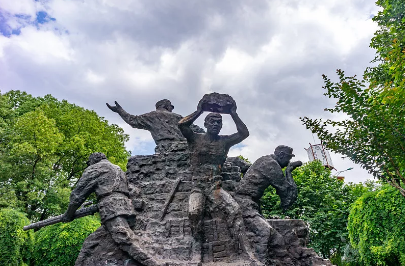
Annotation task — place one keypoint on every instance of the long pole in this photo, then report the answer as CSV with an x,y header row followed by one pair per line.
x,y
57,219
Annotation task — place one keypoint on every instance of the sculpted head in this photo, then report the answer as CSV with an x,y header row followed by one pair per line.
x,y
164,104
283,155
95,158
213,123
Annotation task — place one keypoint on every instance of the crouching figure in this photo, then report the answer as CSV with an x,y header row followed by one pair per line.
x,y
117,215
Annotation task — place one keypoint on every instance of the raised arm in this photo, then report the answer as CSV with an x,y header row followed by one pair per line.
x,y
186,122
242,129
132,120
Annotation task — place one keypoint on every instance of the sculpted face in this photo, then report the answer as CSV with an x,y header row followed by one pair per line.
x,y
284,155
164,104
213,125
169,107
283,159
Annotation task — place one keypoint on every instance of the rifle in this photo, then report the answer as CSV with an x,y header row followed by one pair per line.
x,y
57,219
170,198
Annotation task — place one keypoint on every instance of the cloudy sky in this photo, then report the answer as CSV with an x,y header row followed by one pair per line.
x,y
268,55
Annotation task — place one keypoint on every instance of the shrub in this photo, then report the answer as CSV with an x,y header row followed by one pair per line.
x,y
376,227
323,202
15,244
60,244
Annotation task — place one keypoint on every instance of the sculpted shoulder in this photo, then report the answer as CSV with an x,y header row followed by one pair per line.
x,y
161,113
100,167
266,162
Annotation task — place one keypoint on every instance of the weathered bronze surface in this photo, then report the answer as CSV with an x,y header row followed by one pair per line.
x,y
191,205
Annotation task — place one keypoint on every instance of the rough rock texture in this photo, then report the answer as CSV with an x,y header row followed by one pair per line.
x,y
290,249
219,103
166,231
236,161
100,249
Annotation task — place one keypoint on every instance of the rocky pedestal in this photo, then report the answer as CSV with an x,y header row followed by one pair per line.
x,y
290,249
159,186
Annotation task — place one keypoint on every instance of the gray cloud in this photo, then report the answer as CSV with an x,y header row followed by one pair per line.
x,y
268,55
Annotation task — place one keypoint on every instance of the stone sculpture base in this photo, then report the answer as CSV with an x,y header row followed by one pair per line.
x,y
151,179
99,249
295,235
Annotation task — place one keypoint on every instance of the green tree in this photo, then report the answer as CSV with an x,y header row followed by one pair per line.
x,y
5,111
351,257
44,147
389,42
373,135
324,202
60,244
376,227
15,245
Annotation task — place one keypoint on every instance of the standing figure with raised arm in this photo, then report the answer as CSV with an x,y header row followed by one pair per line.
x,y
208,152
162,123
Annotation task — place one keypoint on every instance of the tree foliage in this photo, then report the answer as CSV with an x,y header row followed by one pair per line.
x,y
15,244
389,42
376,227
373,135
60,244
323,201
44,146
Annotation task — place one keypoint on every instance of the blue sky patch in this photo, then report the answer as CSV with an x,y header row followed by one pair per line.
x,y
16,31
239,146
4,28
22,16
43,17
147,148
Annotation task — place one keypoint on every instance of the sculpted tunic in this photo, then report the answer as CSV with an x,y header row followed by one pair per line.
x,y
207,158
110,184
266,172
162,125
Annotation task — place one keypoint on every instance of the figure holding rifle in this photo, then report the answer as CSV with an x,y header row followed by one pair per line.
x,y
117,215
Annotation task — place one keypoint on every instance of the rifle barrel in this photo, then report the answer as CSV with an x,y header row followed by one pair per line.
x,y
57,219
170,198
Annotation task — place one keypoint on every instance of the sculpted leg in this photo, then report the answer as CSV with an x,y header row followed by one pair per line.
x,y
195,211
195,215
122,234
90,245
222,201
262,235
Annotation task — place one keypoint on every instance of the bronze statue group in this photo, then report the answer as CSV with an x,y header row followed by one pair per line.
x,y
208,152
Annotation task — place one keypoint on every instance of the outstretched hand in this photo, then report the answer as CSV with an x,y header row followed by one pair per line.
x,y
115,108
292,165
